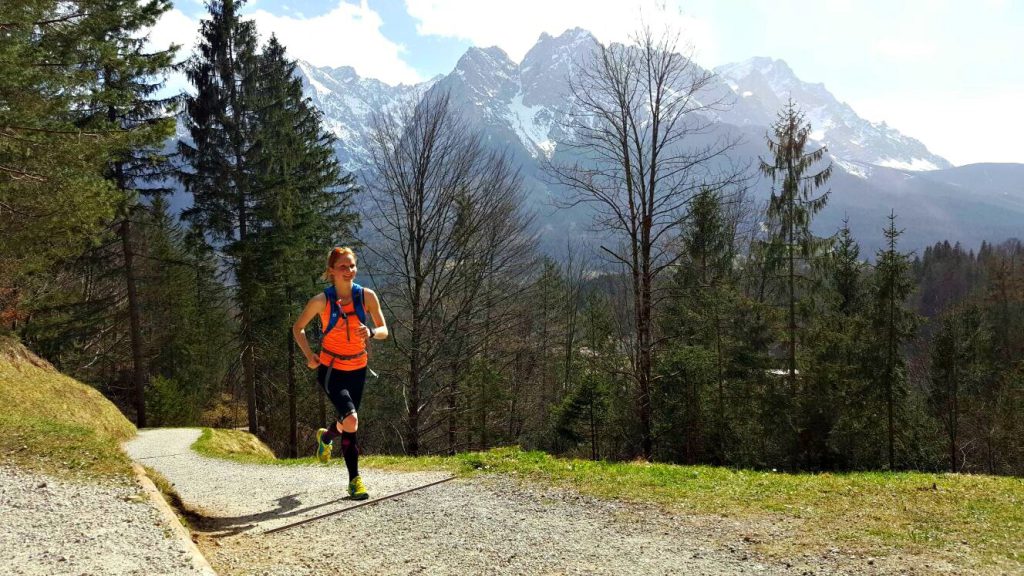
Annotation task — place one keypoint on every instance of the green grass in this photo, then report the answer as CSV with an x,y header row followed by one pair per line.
x,y
965,519
232,445
170,495
54,424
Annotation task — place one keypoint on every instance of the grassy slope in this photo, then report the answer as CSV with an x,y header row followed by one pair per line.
x,y
971,520
54,424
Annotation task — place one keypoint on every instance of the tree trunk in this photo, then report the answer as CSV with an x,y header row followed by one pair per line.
x,y
890,367
593,431
954,422
249,373
645,367
452,425
720,457
293,432
139,376
792,316
413,399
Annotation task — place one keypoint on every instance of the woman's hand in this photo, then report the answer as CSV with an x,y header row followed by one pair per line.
x,y
364,332
313,362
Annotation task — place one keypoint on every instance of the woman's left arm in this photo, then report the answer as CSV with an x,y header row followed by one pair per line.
x,y
380,327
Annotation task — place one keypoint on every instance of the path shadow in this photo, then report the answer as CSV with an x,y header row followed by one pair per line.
x,y
223,526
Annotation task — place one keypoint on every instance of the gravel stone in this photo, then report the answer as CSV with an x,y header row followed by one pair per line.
x,y
56,526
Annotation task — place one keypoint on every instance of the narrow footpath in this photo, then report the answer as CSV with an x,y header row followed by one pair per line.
x,y
487,525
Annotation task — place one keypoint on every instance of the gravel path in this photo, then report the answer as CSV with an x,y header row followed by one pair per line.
x,y
489,525
53,526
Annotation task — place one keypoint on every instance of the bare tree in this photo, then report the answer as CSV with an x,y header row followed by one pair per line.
x,y
447,215
642,130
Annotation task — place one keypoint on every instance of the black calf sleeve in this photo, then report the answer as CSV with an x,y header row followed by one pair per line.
x,y
331,434
350,450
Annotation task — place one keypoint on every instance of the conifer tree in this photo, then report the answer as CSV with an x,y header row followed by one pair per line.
x,y
703,298
894,325
837,413
129,79
54,199
303,209
957,366
186,323
220,120
792,206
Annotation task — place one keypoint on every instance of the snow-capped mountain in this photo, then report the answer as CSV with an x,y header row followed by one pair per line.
x,y
520,101
768,84
348,103
526,100
521,107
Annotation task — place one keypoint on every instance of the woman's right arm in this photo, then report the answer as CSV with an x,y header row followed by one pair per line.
x,y
313,307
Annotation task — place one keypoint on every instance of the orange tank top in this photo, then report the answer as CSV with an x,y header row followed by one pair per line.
x,y
343,341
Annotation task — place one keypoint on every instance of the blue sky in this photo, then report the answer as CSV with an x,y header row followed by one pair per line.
x,y
946,72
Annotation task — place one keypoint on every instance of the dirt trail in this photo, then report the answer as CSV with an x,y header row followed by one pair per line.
x,y
490,525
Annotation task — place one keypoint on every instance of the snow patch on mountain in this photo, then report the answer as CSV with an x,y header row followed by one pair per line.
x,y
915,164
348,102
858,169
532,124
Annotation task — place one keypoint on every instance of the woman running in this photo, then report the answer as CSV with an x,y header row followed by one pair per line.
x,y
341,364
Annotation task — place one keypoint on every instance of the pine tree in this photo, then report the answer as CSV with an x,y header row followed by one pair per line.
x,y
894,324
701,308
303,208
837,417
793,206
54,199
957,365
186,323
129,79
220,119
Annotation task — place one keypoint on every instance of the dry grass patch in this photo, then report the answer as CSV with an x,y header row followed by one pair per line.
x,y
55,424
236,445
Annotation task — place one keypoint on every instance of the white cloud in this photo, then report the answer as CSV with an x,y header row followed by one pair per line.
x,y
963,128
348,35
904,49
174,27
515,26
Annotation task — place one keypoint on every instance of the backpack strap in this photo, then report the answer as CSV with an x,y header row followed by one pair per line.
x,y
357,302
331,293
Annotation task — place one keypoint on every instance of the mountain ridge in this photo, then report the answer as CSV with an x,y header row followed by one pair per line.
x,y
521,107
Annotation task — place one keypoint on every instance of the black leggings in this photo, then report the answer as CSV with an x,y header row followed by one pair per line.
x,y
344,388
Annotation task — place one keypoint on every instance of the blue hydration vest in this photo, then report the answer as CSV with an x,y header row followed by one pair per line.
x,y
332,300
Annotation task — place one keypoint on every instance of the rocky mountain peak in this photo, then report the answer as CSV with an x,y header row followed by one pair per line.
x,y
769,83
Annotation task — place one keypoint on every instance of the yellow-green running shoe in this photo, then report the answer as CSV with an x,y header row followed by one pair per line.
x,y
356,489
323,451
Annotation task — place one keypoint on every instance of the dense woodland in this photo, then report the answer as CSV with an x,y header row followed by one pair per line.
x,y
709,327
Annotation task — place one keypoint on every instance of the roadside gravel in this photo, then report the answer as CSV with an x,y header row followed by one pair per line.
x,y
56,526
